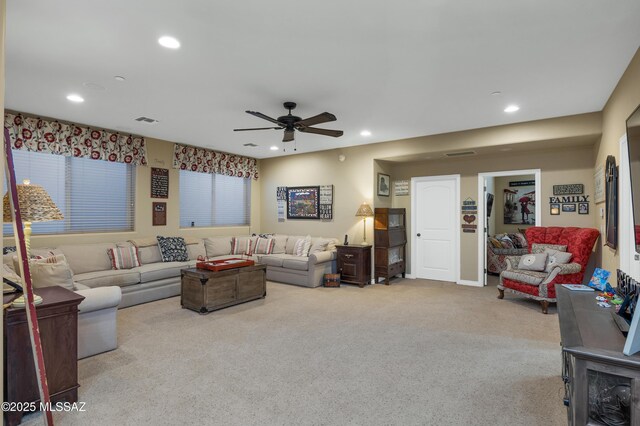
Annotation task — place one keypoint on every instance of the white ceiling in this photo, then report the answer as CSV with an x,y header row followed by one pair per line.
x,y
399,69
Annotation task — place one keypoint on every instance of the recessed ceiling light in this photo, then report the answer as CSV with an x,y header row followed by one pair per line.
x,y
512,108
496,93
365,133
169,42
119,78
274,148
75,98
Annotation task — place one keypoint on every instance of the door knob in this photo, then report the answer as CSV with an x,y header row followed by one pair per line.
x,y
418,234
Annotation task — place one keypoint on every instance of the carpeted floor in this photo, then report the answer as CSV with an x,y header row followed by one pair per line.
x,y
416,352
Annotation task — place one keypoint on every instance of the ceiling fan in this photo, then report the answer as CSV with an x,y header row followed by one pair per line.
x,y
290,123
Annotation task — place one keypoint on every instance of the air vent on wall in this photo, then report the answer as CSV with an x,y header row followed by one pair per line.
x,y
250,144
459,154
146,120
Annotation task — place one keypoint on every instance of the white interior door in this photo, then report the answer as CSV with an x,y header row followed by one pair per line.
x,y
436,228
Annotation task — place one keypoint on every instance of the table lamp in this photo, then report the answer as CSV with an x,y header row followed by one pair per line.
x,y
364,211
35,206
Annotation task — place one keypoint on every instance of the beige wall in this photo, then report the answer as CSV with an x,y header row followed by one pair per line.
x,y
557,167
159,154
502,183
355,178
623,101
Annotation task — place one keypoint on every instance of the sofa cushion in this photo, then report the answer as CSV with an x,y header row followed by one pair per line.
x,y
121,278
299,263
196,250
85,258
533,262
280,244
123,257
302,246
319,244
159,271
527,277
271,260
149,254
217,246
242,245
173,249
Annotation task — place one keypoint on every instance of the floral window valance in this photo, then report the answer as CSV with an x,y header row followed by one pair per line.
x,y
207,161
72,140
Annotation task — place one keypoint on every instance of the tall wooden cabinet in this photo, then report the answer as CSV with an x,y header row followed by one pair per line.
x,y
390,237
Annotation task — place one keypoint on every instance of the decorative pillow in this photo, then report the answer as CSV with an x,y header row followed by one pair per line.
x,y
319,245
173,249
495,243
196,250
264,245
280,243
9,249
242,245
533,262
506,242
124,257
518,240
556,257
51,271
302,246
540,248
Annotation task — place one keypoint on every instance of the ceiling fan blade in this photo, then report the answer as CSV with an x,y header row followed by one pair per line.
x,y
264,117
288,135
325,117
325,132
258,128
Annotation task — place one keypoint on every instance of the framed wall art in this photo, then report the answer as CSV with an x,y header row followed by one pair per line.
x,y
159,217
569,208
554,209
583,208
384,183
303,202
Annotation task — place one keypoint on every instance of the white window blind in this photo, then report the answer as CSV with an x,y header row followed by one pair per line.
x,y
93,195
214,200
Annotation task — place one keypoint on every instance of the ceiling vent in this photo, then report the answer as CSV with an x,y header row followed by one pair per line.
x,y
250,144
146,120
459,154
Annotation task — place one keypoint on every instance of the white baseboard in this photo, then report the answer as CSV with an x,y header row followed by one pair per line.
x,y
469,283
410,276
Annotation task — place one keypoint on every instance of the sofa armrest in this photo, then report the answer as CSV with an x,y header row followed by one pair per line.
x,y
513,261
569,268
96,299
321,256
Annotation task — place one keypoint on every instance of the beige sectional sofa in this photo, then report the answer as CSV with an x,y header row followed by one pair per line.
x,y
156,279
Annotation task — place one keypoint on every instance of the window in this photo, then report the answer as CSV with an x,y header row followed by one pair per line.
x,y
93,195
214,200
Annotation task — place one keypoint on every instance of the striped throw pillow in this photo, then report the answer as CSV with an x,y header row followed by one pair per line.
x,y
302,246
264,245
241,245
123,257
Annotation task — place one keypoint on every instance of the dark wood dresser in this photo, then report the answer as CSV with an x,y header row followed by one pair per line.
x,y
602,385
354,264
58,323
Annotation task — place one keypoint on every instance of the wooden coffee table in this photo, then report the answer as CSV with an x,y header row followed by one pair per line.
x,y
204,291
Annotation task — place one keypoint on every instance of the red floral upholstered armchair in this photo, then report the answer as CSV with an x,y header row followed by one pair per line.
x,y
541,285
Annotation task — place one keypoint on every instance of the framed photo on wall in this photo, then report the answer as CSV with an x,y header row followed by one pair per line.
x,y
384,184
569,208
303,202
583,208
554,209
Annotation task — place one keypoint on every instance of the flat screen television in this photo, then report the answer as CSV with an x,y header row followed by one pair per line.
x,y
633,142
632,344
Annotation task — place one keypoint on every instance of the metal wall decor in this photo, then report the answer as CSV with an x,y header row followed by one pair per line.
x,y
611,189
575,188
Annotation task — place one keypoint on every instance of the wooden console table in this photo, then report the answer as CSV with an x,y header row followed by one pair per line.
x,y
204,291
594,368
58,323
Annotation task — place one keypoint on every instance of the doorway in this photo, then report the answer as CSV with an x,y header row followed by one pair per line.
x,y
435,225
516,205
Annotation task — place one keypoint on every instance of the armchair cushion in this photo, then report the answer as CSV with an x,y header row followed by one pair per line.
x,y
540,248
528,277
556,257
533,262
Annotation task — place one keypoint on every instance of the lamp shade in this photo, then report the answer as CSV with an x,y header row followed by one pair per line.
x,y
35,205
364,210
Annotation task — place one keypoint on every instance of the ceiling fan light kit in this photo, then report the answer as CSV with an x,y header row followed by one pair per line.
x,y
290,123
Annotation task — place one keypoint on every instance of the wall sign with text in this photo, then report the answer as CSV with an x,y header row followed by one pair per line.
x,y
159,183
